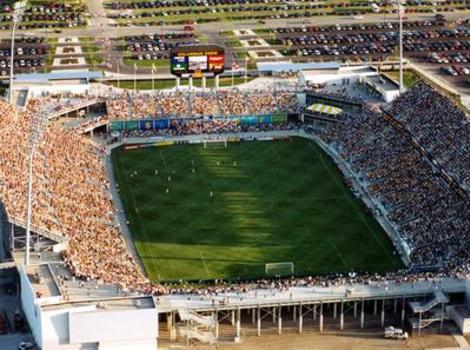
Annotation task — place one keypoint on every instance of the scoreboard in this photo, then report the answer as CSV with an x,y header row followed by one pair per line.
x,y
197,61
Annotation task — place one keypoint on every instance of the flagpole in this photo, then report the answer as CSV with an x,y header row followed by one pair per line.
x,y
118,76
135,77
246,68
153,76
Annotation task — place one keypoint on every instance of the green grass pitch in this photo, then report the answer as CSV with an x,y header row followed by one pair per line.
x,y
281,201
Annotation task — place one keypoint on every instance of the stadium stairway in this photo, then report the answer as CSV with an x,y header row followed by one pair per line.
x,y
438,298
206,321
429,311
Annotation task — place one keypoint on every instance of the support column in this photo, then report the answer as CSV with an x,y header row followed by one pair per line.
x,y
238,322
355,309
216,83
315,312
419,323
178,83
279,319
258,326
173,327
168,320
12,238
341,317
203,82
395,306
375,307
321,317
253,316
382,314
403,312
334,311
274,315
301,319
190,82
233,317
362,314
216,324
442,316
295,313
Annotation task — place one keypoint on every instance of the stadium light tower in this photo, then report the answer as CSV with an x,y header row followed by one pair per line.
x,y
35,137
401,11
18,9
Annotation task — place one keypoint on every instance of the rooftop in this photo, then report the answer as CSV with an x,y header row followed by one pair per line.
x,y
57,75
383,82
124,303
42,281
295,67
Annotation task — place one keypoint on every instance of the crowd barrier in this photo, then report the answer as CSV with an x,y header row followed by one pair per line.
x,y
162,123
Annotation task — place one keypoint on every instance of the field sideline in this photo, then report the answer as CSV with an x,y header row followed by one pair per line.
x,y
281,201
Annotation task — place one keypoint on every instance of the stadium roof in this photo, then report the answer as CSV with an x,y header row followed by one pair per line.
x,y
325,109
62,75
294,67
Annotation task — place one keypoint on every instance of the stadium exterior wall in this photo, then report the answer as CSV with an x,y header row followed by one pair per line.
x,y
118,323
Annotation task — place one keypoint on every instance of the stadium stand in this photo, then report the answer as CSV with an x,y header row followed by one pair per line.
x,y
412,167
402,171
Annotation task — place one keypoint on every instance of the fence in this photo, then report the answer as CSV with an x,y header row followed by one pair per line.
x,y
167,123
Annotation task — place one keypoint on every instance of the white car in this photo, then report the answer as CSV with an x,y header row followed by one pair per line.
x,y
25,345
395,333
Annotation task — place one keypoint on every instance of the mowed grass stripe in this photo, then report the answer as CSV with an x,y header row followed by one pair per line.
x,y
271,202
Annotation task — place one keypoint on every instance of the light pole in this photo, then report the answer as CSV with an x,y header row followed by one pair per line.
x,y
401,10
18,9
36,134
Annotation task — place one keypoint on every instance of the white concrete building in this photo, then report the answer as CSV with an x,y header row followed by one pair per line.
x,y
112,323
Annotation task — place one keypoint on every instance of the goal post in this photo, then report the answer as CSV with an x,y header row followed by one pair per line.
x,y
279,268
216,142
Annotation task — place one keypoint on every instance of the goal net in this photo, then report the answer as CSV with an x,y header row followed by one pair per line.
x,y
279,269
215,143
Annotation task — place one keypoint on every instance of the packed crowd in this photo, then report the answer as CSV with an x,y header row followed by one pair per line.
x,y
90,124
438,126
341,95
71,195
210,127
429,213
55,105
178,104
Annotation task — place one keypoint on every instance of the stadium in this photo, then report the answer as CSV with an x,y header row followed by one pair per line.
x,y
299,202
236,192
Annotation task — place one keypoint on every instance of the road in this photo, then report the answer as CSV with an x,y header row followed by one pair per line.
x,y
98,13
107,31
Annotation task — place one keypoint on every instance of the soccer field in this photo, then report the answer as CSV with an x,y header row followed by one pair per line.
x,y
243,206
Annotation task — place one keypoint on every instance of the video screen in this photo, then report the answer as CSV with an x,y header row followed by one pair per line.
x,y
179,64
197,63
216,63
197,60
